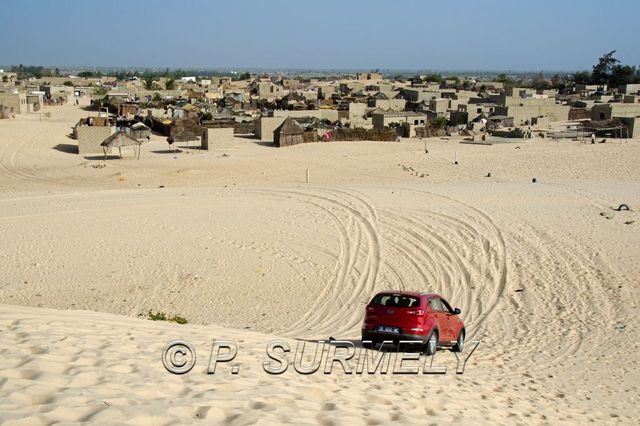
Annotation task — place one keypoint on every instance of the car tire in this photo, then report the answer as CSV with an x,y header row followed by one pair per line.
x,y
432,343
459,344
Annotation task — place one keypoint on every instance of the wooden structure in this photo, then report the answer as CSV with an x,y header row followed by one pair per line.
x,y
140,131
119,140
290,132
347,134
613,128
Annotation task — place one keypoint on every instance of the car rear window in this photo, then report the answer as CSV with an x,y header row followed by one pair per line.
x,y
396,300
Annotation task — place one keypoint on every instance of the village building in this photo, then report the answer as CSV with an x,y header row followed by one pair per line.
x,y
289,133
382,119
91,132
16,102
216,138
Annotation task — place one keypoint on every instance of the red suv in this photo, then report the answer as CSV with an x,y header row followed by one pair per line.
x,y
408,315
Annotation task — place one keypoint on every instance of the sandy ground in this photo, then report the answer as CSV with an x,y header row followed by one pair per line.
x,y
546,275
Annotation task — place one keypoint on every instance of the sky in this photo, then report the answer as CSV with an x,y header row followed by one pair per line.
x,y
327,34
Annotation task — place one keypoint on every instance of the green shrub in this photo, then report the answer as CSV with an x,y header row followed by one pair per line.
x,y
161,316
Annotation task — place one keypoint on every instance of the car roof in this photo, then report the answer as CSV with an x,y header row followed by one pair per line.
x,y
409,293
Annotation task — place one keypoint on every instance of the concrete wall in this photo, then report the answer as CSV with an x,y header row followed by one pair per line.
x,y
625,110
90,138
519,92
266,125
142,93
327,90
607,111
634,126
390,104
16,101
439,105
473,111
357,119
630,89
516,101
523,114
458,117
322,114
34,102
382,120
418,95
221,138
540,123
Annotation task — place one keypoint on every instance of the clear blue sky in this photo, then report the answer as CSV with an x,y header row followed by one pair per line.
x,y
346,34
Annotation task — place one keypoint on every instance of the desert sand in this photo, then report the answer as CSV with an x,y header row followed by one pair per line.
x,y
235,241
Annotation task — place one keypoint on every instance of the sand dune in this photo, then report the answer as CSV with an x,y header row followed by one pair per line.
x,y
546,275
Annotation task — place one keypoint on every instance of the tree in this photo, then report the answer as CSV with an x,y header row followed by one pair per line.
x,y
68,83
602,71
436,78
170,84
148,83
101,90
623,74
539,82
89,74
581,77
243,76
5,79
608,71
438,123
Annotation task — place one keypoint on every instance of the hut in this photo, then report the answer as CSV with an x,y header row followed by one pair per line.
x,y
119,140
614,128
288,133
140,131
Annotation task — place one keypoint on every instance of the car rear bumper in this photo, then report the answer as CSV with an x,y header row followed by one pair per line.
x,y
375,336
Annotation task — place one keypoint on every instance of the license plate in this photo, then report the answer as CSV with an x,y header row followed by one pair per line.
x,y
384,329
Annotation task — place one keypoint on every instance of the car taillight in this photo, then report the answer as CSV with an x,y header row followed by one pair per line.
x,y
416,312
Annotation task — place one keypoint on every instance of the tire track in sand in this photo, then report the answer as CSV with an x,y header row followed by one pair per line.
x,y
382,249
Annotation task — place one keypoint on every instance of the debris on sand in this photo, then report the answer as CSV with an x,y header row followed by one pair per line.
x,y
622,207
413,171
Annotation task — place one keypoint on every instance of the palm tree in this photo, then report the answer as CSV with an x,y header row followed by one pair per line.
x,y
170,84
148,83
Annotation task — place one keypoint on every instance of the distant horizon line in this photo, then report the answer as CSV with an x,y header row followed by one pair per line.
x,y
81,68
